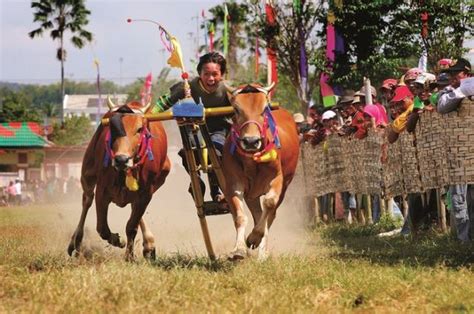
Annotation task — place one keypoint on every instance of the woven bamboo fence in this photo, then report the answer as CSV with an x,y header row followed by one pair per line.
x,y
439,153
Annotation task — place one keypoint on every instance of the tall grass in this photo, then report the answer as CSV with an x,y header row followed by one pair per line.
x,y
345,268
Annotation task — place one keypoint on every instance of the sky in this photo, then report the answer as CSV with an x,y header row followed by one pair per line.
x,y
125,51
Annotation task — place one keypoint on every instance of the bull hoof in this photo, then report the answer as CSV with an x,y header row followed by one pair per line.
x,y
253,240
130,258
70,249
150,254
237,255
115,240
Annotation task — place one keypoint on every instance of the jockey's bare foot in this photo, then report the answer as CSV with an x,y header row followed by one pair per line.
x,y
220,198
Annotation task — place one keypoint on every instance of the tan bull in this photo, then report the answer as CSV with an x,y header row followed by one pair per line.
x,y
259,160
125,163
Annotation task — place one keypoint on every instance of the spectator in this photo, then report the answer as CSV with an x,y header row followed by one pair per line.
x,y
11,192
422,87
449,100
401,107
18,191
442,81
388,89
357,125
301,125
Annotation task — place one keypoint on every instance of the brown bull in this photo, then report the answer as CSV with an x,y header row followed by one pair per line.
x,y
259,160
125,163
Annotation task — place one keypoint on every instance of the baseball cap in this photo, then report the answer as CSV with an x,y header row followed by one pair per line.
x,y
412,74
401,92
460,65
389,83
425,78
328,115
444,63
441,80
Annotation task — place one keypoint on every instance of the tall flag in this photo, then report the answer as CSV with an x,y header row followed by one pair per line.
x,y
206,28
327,93
211,37
257,58
146,90
423,61
303,58
99,93
272,74
226,30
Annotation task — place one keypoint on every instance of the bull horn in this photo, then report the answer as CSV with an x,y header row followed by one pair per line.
x,y
110,103
145,108
268,88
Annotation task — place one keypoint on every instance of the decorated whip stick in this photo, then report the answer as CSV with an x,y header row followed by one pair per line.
x,y
171,44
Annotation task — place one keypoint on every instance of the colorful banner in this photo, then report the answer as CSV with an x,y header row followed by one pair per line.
x,y
211,37
272,73
327,93
257,58
226,31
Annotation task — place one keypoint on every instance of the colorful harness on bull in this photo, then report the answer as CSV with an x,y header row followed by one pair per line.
x,y
144,152
268,153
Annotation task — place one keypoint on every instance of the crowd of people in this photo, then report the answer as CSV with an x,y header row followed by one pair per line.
x,y
392,109
36,191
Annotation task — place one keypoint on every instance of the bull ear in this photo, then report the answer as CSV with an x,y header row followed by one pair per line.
x,y
268,88
229,89
110,104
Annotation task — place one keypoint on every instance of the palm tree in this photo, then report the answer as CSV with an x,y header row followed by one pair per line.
x,y
61,16
237,21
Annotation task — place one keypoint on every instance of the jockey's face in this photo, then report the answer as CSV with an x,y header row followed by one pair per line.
x,y
211,76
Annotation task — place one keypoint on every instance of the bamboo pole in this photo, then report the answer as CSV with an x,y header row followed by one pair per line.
x,y
441,211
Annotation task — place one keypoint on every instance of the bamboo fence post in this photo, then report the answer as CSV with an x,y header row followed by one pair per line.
x,y
317,211
441,211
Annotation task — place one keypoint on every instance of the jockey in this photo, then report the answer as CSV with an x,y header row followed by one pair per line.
x,y
209,89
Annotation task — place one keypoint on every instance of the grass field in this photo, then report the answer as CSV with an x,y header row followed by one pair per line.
x,y
345,269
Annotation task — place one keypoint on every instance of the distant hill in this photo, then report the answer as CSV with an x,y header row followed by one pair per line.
x,y
12,86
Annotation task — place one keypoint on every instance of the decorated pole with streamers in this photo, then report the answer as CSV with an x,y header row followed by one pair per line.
x,y
99,100
171,44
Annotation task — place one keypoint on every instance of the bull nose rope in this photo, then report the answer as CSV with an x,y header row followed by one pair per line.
x,y
144,152
268,153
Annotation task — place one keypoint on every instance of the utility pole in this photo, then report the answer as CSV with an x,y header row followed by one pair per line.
x,y
99,101
120,75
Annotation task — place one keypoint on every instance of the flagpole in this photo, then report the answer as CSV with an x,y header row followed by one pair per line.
x,y
99,100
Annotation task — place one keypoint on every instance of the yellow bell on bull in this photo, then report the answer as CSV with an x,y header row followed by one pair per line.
x,y
271,155
131,183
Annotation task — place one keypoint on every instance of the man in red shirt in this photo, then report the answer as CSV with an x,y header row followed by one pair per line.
x,y
357,126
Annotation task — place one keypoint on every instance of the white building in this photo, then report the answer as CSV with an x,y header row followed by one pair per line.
x,y
88,105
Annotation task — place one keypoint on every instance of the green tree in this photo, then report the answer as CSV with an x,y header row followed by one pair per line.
x,y
16,106
383,38
238,25
293,28
61,16
449,24
75,130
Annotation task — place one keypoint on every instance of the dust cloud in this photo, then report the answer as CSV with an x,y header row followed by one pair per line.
x,y
172,217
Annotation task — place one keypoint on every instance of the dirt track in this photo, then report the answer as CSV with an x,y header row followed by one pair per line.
x,y
172,217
